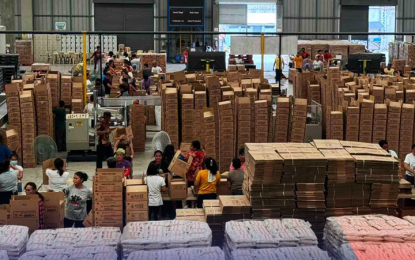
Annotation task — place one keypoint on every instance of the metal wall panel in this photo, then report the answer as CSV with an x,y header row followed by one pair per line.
x,y
233,14
405,16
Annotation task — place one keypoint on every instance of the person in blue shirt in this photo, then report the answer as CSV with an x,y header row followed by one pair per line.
x,y
4,151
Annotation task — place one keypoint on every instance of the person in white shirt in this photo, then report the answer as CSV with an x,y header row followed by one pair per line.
x,y
136,62
385,146
57,177
155,185
89,108
318,64
409,165
156,69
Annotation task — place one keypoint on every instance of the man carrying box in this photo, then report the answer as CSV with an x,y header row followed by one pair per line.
x,y
104,149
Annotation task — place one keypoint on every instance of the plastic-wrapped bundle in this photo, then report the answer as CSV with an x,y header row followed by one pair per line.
x,y
3,255
13,239
365,251
410,219
85,253
282,253
64,238
155,235
206,253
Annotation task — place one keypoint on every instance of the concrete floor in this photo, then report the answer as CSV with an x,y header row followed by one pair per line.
x,y
141,160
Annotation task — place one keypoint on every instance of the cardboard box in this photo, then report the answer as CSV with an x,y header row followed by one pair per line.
x,y
133,182
89,220
134,193
109,175
107,196
108,215
109,223
137,216
178,166
136,205
234,205
54,207
223,187
107,186
108,206
178,190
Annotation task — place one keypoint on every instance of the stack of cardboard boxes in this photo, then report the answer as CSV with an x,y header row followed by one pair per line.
x,y
352,123
77,95
314,90
14,116
136,201
151,115
226,135
406,130
54,209
366,121
54,78
299,121
188,116
214,218
283,120
77,106
214,90
27,107
44,110
380,119
170,113
108,198
394,123
24,49
209,126
336,125
261,121
200,104
235,207
24,211
138,126
13,139
66,90
243,121
178,185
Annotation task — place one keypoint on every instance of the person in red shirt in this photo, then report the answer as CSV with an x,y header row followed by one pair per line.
x,y
186,57
304,53
97,56
198,156
327,56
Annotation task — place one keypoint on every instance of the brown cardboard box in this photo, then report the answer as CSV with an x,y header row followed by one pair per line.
x,y
178,166
26,96
137,216
178,190
107,196
223,188
24,211
108,215
109,175
4,214
108,186
54,207
136,205
134,193
109,223
108,206
234,205
89,220
133,182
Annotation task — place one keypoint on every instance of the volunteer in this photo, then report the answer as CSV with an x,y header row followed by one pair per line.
x,y
125,74
112,163
161,165
122,163
58,178
126,56
146,70
124,143
241,158
186,57
107,84
156,69
304,53
77,196
146,83
207,181
127,66
198,156
327,56
389,70
109,57
278,70
155,185
385,146
97,56
14,160
99,87
168,154
307,64
298,60
104,149
8,181
409,165
126,89
135,62
60,126
318,64
236,177
320,54
31,189
109,68
90,109
4,150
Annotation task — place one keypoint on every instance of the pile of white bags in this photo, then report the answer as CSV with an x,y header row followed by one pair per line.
x,y
13,240
205,253
282,253
84,253
3,255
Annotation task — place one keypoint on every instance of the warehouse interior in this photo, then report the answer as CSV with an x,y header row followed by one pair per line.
x,y
269,129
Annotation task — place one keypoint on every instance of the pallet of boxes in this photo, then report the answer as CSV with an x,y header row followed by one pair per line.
x,y
28,114
108,208
136,201
44,110
138,126
77,95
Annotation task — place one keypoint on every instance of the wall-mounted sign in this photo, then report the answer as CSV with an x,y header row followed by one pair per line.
x,y
60,26
186,16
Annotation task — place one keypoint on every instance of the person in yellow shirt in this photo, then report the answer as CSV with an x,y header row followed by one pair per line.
x,y
298,60
389,71
207,181
278,70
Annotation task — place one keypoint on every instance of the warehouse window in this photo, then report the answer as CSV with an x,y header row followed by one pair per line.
x,y
381,19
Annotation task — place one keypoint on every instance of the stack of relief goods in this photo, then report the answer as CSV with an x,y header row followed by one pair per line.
x,y
314,90
77,95
206,253
164,235
263,170
14,114
366,121
215,219
407,130
54,79
282,238
235,207
299,121
27,107
93,253
138,126
188,116
282,120
352,123
336,125
226,135
209,141
346,236
13,240
394,123
66,90
200,105
44,110
261,121
75,238
244,109
380,119
170,114
136,200
108,193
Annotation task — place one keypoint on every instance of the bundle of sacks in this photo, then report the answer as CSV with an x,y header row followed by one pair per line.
x,y
13,240
84,253
205,253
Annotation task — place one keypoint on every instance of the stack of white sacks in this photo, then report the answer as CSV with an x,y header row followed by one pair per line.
x,y
159,235
71,238
342,235
84,253
206,253
3,255
13,240
279,237
371,251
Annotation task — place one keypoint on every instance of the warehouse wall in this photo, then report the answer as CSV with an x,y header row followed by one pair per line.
x,y
405,16
311,16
